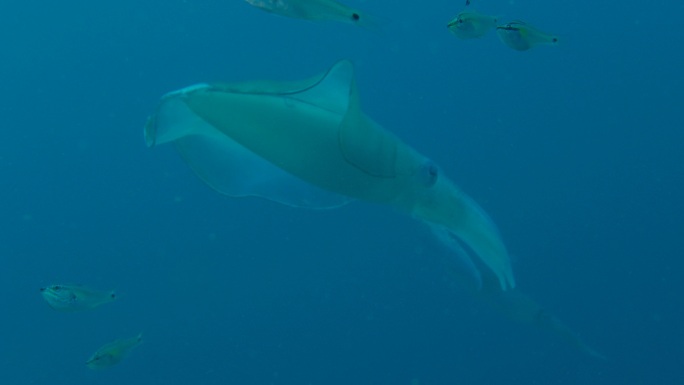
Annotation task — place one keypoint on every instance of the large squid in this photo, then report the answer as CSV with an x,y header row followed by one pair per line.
x,y
308,144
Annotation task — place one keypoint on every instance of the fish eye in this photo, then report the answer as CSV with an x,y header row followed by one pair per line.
x,y
355,16
56,288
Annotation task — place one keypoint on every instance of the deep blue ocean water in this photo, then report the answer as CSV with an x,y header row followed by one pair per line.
x,y
575,151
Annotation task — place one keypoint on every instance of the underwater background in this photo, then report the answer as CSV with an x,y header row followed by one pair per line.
x,y
575,151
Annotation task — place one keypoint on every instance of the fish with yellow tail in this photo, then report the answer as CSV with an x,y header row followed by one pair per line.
x,y
113,353
75,297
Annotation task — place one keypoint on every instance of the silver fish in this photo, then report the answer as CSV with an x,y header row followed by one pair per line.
x,y
314,10
471,25
75,297
112,353
521,36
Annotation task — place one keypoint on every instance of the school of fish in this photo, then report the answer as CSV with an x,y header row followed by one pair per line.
x,y
75,298
517,35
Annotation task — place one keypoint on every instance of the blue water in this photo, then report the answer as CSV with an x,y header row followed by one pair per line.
x,y
575,151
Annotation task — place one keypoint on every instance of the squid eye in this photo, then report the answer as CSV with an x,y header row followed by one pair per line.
x,y
56,288
429,173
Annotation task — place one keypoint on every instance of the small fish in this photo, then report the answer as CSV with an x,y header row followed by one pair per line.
x,y
75,297
521,36
113,352
314,10
470,25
